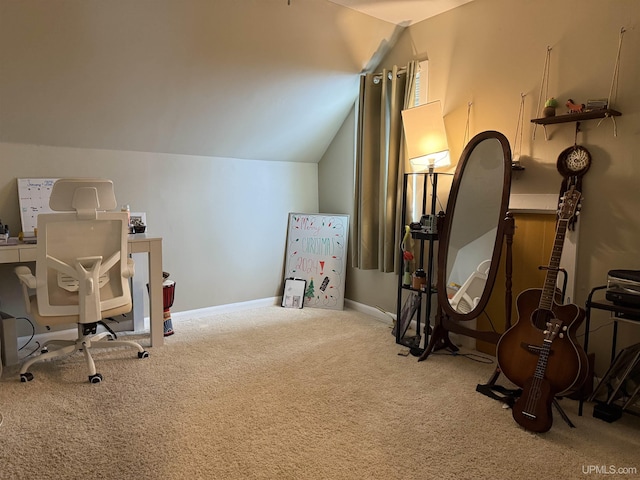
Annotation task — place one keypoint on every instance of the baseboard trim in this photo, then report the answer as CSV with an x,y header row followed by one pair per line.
x,y
229,307
375,312
177,317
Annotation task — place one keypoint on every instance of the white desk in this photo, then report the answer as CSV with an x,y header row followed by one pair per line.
x,y
138,243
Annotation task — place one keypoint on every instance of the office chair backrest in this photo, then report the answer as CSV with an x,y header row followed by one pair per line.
x,y
468,296
78,236
66,189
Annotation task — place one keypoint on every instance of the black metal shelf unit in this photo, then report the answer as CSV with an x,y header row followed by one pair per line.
x,y
416,304
619,313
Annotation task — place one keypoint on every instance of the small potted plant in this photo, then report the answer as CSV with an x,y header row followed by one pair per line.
x,y
550,107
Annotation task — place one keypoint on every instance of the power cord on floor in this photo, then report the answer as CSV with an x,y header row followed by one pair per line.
x,y
33,333
474,357
469,356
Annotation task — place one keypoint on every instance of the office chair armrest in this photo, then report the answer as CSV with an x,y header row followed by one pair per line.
x,y
130,269
26,277
28,281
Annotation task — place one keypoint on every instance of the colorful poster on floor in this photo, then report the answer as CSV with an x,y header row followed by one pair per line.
x,y
317,253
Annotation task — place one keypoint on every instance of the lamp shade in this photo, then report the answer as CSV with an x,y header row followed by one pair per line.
x,y
426,138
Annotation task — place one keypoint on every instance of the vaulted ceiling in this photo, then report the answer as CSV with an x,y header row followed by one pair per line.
x,y
251,79
402,12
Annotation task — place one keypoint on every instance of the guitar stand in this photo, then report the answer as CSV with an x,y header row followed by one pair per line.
x,y
562,413
509,396
498,392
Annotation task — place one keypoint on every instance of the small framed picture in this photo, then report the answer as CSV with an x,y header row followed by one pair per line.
x,y
138,218
293,295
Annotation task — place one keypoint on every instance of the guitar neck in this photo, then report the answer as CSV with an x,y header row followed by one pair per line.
x,y
551,278
541,367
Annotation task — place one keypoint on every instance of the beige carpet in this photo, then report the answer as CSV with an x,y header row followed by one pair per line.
x,y
277,393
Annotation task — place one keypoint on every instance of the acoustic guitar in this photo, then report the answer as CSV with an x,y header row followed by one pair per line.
x,y
539,353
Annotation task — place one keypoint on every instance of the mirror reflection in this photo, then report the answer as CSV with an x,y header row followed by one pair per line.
x,y
474,225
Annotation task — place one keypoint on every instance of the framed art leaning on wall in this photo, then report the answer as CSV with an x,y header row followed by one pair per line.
x,y
317,253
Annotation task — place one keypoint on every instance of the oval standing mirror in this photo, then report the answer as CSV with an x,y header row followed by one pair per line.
x,y
471,237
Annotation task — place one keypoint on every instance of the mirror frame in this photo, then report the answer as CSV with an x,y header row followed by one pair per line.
x,y
444,237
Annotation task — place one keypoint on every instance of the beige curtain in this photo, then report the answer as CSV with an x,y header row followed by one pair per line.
x,y
380,165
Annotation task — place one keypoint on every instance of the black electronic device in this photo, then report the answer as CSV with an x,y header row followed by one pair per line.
x,y
623,287
608,413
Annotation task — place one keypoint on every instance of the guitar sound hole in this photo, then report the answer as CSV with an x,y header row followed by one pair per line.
x,y
540,318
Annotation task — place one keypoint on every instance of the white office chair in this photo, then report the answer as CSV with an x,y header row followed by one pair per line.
x,y
82,270
468,296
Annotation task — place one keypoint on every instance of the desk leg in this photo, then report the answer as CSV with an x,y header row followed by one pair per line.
x,y
156,320
138,292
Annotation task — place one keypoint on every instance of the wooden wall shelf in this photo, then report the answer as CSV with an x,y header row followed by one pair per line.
x,y
576,117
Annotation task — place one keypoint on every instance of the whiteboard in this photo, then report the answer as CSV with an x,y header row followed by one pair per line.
x,y
317,253
33,194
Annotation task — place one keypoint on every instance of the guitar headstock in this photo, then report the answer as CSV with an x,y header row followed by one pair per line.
x,y
569,204
553,327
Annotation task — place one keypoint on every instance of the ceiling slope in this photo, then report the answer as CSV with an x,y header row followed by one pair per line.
x,y
250,79
402,12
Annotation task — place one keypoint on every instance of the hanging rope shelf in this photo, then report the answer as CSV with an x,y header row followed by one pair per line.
x,y
578,117
516,165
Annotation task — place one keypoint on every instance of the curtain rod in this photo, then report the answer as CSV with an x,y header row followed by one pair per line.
x,y
378,76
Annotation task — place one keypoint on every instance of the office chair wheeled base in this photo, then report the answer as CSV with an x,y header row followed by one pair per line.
x,y
84,343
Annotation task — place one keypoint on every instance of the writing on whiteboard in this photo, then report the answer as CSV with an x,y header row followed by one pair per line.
x,y
316,252
33,195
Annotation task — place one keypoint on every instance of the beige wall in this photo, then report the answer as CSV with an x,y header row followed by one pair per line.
x,y
488,52
223,221
209,116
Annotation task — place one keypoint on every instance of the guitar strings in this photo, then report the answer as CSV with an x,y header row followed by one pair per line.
x,y
532,399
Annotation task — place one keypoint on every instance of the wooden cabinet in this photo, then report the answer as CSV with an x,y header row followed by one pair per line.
x,y
532,244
